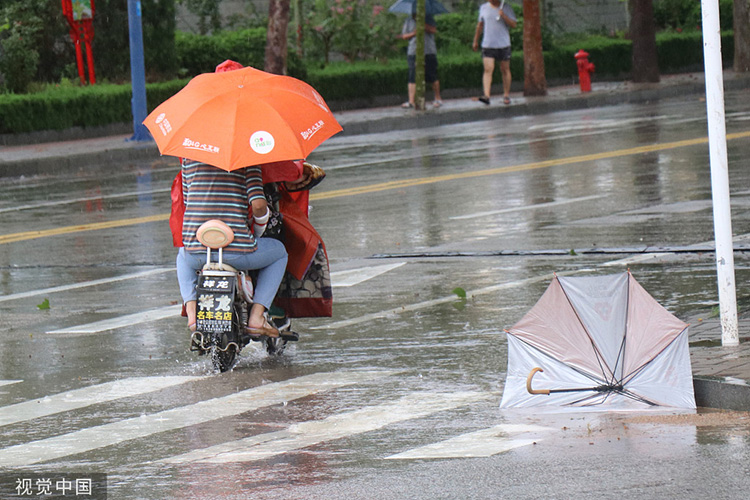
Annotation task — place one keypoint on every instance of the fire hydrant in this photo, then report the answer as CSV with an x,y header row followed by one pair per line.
x,y
585,68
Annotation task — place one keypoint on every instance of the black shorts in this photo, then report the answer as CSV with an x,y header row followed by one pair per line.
x,y
502,54
430,68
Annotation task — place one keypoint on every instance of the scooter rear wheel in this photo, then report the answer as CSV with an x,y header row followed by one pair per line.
x,y
223,352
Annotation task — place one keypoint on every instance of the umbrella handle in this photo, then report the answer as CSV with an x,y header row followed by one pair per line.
x,y
528,382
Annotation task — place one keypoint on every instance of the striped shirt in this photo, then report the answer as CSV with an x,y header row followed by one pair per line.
x,y
212,193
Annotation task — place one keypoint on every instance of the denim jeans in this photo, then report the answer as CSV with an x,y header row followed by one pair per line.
x,y
269,258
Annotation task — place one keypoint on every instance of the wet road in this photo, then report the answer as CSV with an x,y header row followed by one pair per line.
x,y
397,394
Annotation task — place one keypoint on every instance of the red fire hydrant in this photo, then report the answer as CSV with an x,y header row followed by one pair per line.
x,y
585,68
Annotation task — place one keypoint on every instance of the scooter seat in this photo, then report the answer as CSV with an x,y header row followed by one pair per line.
x,y
215,234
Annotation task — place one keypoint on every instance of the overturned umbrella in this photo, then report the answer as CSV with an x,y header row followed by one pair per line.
x,y
598,341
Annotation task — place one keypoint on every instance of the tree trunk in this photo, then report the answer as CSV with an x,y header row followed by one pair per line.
x,y
419,100
741,36
643,36
276,38
534,81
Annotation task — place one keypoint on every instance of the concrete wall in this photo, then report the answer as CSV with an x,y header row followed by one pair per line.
x,y
186,21
563,15
605,16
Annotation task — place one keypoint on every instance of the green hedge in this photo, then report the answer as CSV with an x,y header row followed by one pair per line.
x,y
69,107
64,108
201,53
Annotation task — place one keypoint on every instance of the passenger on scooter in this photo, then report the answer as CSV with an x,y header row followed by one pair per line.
x,y
212,193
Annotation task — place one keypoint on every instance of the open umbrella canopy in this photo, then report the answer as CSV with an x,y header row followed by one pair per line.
x,y
241,118
432,7
599,341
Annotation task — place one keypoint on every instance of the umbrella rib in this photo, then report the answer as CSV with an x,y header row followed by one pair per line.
x,y
593,378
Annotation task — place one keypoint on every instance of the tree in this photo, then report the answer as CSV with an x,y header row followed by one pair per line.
x,y
643,36
276,37
741,36
534,82
207,11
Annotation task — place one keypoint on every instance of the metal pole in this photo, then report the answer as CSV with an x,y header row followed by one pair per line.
x,y
137,72
717,142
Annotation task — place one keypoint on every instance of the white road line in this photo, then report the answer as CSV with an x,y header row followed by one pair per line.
x,y
84,284
87,396
8,382
205,411
338,426
88,198
353,277
347,278
633,259
526,207
443,300
123,321
482,443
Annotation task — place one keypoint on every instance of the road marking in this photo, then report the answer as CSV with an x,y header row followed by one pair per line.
x,y
556,162
526,207
89,198
346,278
31,235
84,284
122,321
482,443
399,184
8,382
443,300
633,259
87,396
337,426
353,277
92,438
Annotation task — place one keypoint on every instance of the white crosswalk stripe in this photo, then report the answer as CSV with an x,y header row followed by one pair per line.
x,y
122,321
80,398
338,426
345,278
146,425
8,382
353,277
482,443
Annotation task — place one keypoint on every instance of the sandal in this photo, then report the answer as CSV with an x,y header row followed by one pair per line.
x,y
437,103
407,105
267,329
506,100
484,99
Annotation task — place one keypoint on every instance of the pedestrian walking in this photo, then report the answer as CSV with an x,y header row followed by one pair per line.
x,y
496,19
409,32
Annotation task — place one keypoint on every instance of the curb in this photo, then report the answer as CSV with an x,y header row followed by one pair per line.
x,y
724,393
367,121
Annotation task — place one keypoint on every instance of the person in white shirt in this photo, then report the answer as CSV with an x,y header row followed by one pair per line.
x,y
496,19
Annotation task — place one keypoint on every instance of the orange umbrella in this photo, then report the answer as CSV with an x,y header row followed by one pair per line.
x,y
240,118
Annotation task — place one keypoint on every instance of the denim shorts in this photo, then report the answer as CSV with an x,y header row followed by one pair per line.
x,y
502,54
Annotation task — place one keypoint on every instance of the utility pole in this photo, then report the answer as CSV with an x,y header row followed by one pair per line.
x,y
137,72
717,145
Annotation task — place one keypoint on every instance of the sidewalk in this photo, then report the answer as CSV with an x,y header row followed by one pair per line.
x,y
722,374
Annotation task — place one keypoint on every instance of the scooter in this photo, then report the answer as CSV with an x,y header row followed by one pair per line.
x,y
225,296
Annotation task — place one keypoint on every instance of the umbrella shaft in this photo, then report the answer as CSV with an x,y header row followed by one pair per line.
x,y
601,388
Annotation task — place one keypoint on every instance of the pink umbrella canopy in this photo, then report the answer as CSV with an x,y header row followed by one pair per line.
x,y
598,341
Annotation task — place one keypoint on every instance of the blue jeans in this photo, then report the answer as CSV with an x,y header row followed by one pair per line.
x,y
269,258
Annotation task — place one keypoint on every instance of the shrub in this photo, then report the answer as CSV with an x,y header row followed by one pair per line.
x,y
200,54
18,63
112,40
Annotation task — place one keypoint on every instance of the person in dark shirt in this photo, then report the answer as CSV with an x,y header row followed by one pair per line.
x,y
212,193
